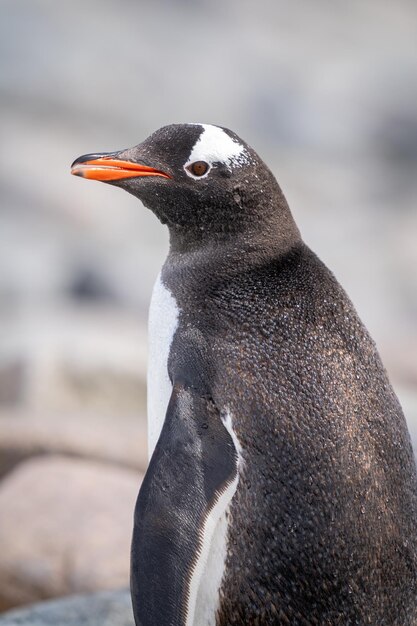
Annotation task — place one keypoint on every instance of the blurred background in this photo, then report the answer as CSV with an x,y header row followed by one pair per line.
x,y
325,91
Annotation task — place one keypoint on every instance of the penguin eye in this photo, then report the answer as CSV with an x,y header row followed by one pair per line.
x,y
198,168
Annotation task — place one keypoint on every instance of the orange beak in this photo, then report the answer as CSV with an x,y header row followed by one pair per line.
x,y
108,168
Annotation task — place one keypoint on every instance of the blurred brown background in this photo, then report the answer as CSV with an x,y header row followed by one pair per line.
x,y
325,91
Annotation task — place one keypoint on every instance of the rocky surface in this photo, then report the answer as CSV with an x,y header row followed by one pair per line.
x,y
85,435
98,609
65,528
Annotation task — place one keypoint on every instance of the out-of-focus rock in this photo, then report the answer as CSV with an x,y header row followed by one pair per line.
x,y
65,528
12,382
108,608
118,440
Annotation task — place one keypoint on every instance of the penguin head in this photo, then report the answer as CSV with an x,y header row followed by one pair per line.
x,y
201,180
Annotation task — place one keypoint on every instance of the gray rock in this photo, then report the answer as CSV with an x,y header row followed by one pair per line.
x,y
65,528
118,440
111,608
12,382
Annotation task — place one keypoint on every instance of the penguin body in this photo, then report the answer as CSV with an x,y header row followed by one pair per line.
x,y
282,486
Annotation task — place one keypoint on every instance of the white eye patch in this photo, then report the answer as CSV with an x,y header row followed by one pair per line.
x,y
214,145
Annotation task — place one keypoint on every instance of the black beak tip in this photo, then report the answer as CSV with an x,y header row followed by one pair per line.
x,y
93,156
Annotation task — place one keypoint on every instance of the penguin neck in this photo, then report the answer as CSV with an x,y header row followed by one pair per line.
x,y
257,243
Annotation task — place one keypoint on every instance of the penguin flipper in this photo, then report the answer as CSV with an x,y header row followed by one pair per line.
x,y
194,463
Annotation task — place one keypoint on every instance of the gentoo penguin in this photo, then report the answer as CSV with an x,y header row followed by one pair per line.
x,y
281,487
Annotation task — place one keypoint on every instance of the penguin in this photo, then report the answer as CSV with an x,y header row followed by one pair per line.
x,y
281,487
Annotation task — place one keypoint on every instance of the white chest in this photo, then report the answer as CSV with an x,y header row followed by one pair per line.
x,y
163,322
